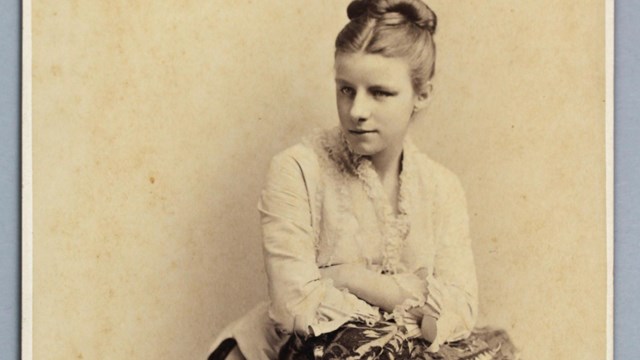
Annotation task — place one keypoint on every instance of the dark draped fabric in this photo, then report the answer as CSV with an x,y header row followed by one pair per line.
x,y
384,340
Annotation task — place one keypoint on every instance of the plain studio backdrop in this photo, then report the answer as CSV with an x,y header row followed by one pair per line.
x,y
154,122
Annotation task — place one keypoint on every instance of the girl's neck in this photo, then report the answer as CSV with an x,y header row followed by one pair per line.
x,y
388,164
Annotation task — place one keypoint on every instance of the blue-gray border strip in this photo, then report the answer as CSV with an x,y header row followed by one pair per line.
x,y
627,181
10,179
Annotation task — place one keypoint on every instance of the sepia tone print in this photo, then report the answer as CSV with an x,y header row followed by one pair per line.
x,y
164,133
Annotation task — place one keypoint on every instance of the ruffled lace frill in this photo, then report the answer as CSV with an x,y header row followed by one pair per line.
x,y
344,165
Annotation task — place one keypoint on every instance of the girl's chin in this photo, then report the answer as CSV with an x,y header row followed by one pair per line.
x,y
363,149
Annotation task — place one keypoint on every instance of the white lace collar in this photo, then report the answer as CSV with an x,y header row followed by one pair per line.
x,y
347,163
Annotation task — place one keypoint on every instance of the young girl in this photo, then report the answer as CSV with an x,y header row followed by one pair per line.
x,y
366,239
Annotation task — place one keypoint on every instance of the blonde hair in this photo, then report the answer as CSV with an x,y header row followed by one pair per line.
x,y
393,28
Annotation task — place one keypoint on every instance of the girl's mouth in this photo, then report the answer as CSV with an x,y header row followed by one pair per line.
x,y
361,132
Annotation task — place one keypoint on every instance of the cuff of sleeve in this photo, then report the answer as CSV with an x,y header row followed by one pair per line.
x,y
408,315
427,292
424,297
337,307
324,327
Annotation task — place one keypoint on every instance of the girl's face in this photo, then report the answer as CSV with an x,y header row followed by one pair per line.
x,y
376,101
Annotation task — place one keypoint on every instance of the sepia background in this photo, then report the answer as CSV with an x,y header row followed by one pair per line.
x,y
153,125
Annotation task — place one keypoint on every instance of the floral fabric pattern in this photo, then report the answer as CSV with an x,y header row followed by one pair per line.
x,y
385,340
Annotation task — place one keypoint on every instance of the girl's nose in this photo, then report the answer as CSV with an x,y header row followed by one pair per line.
x,y
360,108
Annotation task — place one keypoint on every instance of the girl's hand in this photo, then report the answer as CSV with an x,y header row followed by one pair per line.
x,y
428,327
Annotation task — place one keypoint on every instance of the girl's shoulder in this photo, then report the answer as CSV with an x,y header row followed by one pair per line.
x,y
435,175
298,153
433,169
302,154
318,151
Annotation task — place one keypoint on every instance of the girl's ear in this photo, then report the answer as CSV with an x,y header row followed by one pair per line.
x,y
424,97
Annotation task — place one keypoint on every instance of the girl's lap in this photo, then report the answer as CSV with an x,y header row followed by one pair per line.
x,y
385,341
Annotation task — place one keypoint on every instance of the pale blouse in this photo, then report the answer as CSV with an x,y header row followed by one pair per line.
x,y
324,205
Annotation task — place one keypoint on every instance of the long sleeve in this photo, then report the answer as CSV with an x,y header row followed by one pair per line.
x,y
449,292
454,268
301,300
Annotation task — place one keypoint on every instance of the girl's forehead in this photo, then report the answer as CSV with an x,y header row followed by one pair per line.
x,y
371,68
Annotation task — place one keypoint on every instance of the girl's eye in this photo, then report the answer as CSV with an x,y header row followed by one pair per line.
x,y
381,94
347,91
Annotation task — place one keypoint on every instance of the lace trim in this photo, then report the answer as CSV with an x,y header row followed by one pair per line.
x,y
337,157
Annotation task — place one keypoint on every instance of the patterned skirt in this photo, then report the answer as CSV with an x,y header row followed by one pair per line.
x,y
385,340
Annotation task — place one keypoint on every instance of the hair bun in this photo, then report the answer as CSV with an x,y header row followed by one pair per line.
x,y
357,8
414,11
